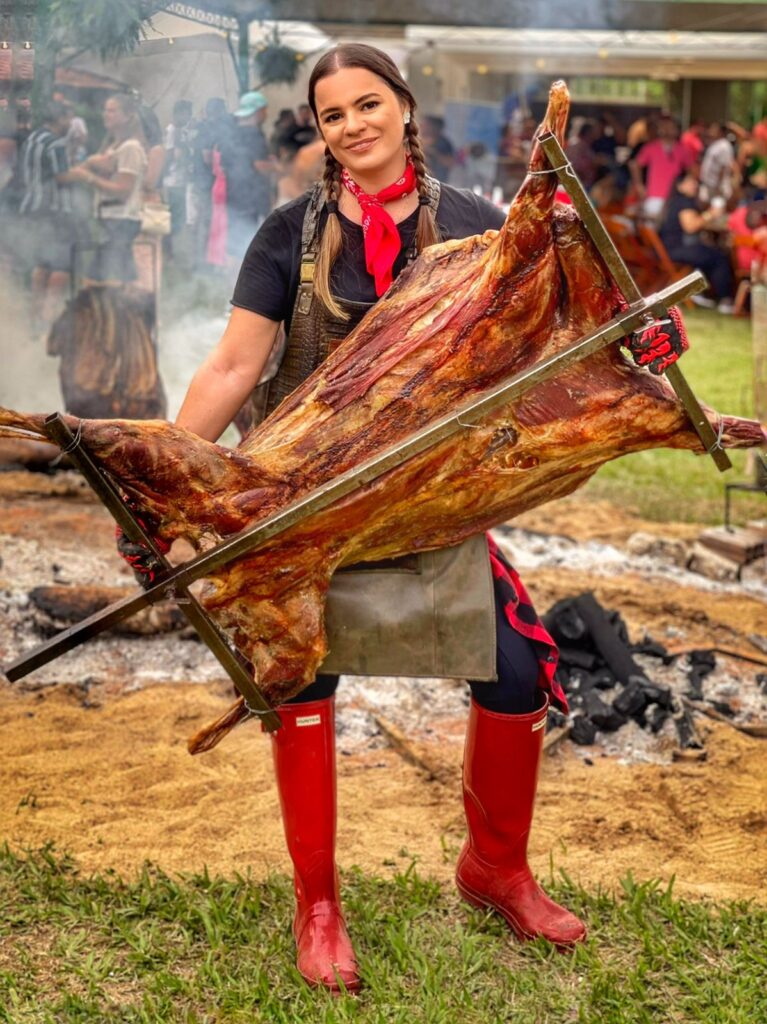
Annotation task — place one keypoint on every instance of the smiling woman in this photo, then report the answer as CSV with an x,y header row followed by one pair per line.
x,y
317,265
365,112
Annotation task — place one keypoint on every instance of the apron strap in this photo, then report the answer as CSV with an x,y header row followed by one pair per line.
x,y
433,192
309,239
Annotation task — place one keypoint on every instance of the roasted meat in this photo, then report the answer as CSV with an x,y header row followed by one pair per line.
x,y
108,358
463,317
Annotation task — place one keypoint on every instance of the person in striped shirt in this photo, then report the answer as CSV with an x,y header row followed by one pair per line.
x,y
46,210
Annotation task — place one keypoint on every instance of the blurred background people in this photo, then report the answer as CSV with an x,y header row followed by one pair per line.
x,y
46,212
680,230
718,169
249,168
662,159
177,169
116,175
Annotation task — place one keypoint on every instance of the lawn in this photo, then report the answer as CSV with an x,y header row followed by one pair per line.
x,y
208,950
669,485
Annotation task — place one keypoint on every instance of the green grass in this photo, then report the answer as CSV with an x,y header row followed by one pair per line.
x,y
201,950
672,485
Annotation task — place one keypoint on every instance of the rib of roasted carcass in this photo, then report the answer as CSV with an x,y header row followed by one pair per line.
x,y
463,317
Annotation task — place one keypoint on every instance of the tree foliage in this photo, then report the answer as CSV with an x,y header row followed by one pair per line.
x,y
110,28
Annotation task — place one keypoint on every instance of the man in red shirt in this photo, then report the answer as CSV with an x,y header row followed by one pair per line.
x,y
693,139
664,159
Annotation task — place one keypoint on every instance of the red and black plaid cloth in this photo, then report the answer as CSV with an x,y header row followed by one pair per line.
x,y
522,617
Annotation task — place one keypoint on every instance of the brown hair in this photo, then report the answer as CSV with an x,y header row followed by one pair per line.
x,y
359,55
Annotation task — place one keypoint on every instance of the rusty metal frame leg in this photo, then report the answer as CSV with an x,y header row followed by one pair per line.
x,y
231,660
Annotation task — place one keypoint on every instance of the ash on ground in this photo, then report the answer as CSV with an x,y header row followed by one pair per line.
x,y
421,709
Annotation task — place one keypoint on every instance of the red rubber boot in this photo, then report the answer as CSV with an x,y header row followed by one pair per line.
x,y
305,765
500,774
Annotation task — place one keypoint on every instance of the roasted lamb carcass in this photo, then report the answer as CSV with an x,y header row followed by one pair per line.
x,y
465,316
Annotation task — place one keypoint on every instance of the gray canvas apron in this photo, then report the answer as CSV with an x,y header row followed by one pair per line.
x,y
427,614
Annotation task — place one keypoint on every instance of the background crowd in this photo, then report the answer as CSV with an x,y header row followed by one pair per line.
x,y
112,205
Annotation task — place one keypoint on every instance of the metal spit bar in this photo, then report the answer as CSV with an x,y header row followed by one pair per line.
x,y
230,658
253,537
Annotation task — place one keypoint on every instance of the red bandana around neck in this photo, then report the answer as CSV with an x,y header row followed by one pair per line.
x,y
382,240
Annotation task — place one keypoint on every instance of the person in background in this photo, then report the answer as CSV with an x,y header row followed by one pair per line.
x,y
176,169
282,141
513,155
148,246
116,175
663,159
718,170
748,224
305,168
206,136
693,138
608,136
477,170
680,230
46,212
437,147
249,169
581,155
305,131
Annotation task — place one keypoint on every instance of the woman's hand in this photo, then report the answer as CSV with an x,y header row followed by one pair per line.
x,y
659,344
142,560
101,163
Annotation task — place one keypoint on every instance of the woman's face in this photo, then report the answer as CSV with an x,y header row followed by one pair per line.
x,y
114,116
361,120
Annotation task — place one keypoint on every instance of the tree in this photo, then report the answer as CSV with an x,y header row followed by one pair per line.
x,y
111,28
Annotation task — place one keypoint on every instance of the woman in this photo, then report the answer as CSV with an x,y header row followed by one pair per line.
x,y
375,207
680,231
116,175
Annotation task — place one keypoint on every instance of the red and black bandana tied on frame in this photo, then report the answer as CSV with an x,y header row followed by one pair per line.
x,y
382,240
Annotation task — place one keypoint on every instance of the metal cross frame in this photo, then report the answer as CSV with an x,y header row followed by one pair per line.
x,y
173,583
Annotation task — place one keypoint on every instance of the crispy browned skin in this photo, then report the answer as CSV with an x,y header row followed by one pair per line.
x,y
466,315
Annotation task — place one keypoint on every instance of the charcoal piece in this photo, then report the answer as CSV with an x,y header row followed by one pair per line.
x,y
603,679
722,707
761,678
655,717
658,694
651,648
580,681
603,715
621,629
555,719
565,624
694,687
576,658
609,636
685,729
582,731
702,662
632,700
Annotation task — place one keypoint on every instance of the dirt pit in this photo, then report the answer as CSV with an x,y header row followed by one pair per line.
x,y
94,745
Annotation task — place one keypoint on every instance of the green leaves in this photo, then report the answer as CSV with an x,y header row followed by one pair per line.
x,y
112,28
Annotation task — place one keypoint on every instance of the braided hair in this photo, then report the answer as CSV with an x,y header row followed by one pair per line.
x,y
360,55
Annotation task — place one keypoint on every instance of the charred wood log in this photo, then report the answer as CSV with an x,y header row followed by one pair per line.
x,y
63,604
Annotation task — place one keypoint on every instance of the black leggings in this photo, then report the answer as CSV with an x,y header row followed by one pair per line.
x,y
515,692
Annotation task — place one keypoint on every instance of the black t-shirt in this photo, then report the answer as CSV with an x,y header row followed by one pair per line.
x,y
269,275
671,231
247,190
